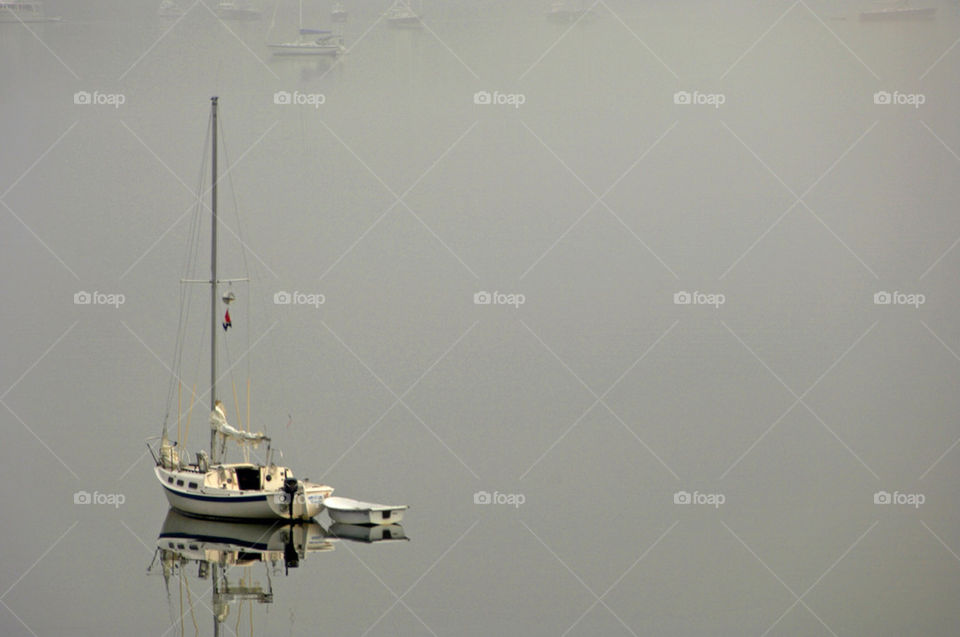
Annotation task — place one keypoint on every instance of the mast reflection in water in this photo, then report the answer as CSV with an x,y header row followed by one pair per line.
x,y
237,561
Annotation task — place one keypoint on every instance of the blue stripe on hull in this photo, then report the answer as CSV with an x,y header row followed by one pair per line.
x,y
221,500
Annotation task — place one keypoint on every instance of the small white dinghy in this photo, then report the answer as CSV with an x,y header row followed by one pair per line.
x,y
347,511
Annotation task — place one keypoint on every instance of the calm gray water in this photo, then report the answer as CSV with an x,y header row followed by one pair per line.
x,y
775,457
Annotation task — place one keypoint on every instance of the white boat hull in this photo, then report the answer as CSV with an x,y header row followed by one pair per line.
x,y
305,49
347,511
255,504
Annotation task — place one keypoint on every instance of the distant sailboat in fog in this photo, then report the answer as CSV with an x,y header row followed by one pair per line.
x,y
402,15
24,11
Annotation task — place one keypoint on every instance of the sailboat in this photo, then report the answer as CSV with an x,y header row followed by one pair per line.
x,y
565,11
311,42
170,9
208,486
402,15
230,10
24,11
900,10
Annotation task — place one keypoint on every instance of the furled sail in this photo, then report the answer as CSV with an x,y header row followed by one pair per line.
x,y
218,421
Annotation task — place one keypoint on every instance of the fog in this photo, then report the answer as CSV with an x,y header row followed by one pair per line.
x,y
648,312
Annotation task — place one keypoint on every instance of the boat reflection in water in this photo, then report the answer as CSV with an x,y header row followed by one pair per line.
x,y
237,562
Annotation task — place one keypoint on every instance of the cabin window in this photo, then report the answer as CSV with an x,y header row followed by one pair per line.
x,y
248,478
170,479
193,485
179,483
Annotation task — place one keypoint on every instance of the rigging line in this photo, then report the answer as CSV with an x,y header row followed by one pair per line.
x,y
248,326
192,233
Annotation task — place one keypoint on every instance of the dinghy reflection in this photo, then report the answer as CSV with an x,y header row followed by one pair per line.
x,y
236,562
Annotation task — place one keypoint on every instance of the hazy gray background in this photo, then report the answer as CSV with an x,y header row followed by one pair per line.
x,y
498,198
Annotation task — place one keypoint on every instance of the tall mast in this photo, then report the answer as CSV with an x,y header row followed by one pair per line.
x,y
213,273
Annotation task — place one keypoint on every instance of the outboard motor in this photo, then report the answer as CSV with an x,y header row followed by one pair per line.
x,y
290,487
